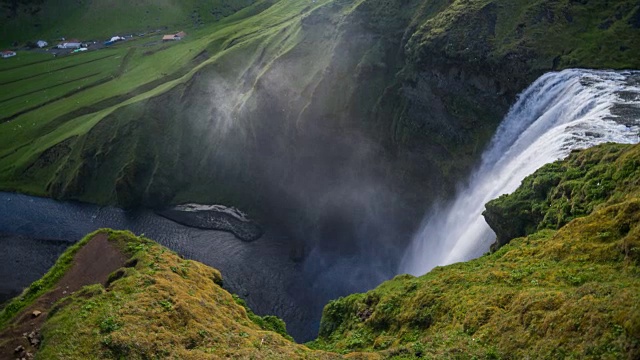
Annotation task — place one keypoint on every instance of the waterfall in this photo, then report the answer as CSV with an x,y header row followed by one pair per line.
x,y
561,111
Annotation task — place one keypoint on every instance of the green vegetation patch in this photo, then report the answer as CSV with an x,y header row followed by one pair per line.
x,y
562,191
268,322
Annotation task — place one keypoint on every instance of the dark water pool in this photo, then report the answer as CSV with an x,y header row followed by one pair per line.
x,y
35,231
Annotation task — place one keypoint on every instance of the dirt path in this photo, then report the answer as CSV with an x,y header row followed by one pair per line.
x,y
92,264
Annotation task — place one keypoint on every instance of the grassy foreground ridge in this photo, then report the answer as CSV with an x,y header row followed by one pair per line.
x,y
573,292
157,305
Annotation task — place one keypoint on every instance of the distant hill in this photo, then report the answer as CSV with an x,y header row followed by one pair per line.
x,y
96,19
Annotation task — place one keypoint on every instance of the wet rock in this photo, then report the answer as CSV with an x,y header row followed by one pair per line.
x,y
214,217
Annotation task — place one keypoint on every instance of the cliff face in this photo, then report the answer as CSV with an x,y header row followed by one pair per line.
x,y
418,86
298,111
570,292
562,191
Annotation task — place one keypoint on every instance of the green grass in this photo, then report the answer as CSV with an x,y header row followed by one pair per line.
x,y
39,88
99,20
562,191
48,65
267,322
24,58
574,33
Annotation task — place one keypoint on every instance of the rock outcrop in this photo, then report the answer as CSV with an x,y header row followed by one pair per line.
x,y
214,217
562,191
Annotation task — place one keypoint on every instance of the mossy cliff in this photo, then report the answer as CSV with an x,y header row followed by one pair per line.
x,y
286,103
573,292
562,191
157,305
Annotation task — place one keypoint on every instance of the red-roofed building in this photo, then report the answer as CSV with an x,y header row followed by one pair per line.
x,y
176,36
8,54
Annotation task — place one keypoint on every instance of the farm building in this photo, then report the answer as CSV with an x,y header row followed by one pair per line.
x,y
113,40
176,36
42,43
70,45
8,54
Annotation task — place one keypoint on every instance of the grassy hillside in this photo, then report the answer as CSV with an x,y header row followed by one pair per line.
x,y
562,191
51,102
566,293
419,82
156,305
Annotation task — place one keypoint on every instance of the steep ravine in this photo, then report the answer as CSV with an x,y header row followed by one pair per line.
x,y
339,125
351,116
566,293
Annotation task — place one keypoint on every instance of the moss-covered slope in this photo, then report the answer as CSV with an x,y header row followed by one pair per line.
x,y
572,292
157,305
562,191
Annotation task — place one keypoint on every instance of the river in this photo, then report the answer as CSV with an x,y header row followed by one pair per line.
x,y
37,230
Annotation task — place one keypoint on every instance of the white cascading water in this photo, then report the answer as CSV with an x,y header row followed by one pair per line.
x,y
559,112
